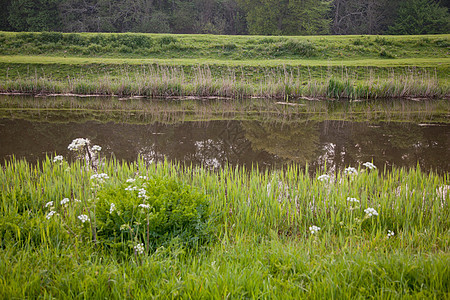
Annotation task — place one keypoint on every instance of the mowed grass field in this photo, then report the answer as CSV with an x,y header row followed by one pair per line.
x,y
226,65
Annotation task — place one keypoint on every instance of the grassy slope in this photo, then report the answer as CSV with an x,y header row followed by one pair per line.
x,y
253,59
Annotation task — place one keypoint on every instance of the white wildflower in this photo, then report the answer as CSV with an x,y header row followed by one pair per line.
x,y
146,206
76,200
350,171
141,193
100,177
131,180
96,148
83,218
143,177
139,248
58,158
369,165
352,200
131,188
64,201
112,208
390,233
323,177
78,144
49,204
50,214
371,212
314,229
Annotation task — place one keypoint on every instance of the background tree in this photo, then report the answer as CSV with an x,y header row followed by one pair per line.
x,y
362,16
82,16
286,17
4,13
28,15
421,17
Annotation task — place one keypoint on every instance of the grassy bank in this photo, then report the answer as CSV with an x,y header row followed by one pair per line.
x,y
229,66
260,241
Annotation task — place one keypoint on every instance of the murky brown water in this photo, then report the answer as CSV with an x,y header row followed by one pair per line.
x,y
216,143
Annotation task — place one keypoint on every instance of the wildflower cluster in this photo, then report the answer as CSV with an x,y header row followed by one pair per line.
x,y
350,171
78,144
369,165
314,229
100,177
139,248
58,158
352,200
146,206
112,208
96,148
50,214
83,218
390,233
371,212
323,177
64,201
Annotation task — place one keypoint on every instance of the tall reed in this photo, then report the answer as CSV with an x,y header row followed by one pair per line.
x,y
157,81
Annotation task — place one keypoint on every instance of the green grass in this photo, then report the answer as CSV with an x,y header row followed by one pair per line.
x,y
224,47
236,66
261,246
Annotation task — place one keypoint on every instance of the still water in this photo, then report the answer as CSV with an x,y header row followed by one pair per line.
x,y
337,144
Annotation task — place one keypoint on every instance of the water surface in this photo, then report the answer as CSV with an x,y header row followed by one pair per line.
x,y
337,144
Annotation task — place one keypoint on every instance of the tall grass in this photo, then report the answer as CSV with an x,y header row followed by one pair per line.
x,y
158,81
263,246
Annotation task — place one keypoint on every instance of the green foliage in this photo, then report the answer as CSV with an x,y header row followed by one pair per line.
x,y
27,15
269,17
153,212
386,54
264,248
421,17
295,48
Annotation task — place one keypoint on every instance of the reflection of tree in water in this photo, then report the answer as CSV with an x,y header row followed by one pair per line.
x,y
402,144
217,143
294,142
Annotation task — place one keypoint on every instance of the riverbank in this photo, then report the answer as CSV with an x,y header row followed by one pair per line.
x,y
326,67
354,234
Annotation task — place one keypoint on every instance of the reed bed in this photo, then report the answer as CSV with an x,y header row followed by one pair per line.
x,y
360,233
167,81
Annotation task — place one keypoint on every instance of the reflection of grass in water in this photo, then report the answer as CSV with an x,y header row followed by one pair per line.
x,y
73,109
261,230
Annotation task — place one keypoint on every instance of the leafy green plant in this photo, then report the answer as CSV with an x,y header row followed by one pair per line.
x,y
152,212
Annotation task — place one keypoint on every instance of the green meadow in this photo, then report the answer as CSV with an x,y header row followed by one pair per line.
x,y
152,65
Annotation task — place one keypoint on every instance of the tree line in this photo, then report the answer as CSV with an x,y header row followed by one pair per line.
x,y
231,17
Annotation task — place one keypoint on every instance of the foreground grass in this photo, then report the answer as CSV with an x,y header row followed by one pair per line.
x,y
260,244
228,66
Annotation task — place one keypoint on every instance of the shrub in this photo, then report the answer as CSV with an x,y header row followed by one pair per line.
x,y
152,212
382,41
297,48
73,39
51,37
166,40
386,54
